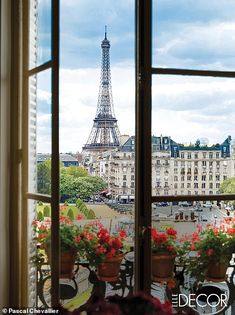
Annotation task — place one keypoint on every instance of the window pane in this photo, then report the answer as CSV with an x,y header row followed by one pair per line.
x,y
39,32
193,142
188,238
194,34
40,133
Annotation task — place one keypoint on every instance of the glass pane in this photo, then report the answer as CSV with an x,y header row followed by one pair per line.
x,y
40,132
39,32
193,254
39,279
193,135
96,141
194,34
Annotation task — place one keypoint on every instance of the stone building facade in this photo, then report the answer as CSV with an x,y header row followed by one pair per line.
x,y
176,169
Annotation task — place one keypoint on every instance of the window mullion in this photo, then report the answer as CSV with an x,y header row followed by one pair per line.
x,y
55,162
143,146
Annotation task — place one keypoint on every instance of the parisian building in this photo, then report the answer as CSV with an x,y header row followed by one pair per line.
x,y
176,169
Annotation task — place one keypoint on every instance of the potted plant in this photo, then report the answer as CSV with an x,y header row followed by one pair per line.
x,y
104,251
69,247
214,247
164,249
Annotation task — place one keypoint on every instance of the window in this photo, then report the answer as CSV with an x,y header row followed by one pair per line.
x,y
175,185
204,163
203,185
211,185
175,178
203,177
189,177
188,185
189,155
143,155
211,155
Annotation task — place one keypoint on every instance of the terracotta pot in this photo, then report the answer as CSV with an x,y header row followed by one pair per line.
x,y
216,271
109,269
67,261
162,267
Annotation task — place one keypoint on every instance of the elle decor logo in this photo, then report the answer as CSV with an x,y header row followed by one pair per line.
x,y
207,304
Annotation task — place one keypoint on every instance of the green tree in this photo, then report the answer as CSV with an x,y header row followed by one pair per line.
x,y
44,177
75,171
228,186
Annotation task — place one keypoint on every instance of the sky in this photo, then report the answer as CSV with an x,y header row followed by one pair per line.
x,y
186,34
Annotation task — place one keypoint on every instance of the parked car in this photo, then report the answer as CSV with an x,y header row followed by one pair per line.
x,y
207,205
163,204
185,204
198,208
203,218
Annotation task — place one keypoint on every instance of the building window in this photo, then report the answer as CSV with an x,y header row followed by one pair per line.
x,y
211,155
124,177
182,155
175,170
182,178
176,163
211,185
124,184
189,156
204,155
210,177
132,177
217,185
217,177
175,185
188,185
196,178
217,155
182,185
203,177
175,178
203,163
132,184
189,177
195,185
195,156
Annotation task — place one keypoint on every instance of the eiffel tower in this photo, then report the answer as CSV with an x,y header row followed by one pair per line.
x,y
105,133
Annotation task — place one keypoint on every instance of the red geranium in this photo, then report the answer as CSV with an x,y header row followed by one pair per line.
x,y
164,242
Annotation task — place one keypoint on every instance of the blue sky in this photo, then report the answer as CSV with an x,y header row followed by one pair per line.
x,y
186,34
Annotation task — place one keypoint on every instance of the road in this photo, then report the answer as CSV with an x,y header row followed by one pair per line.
x,y
211,216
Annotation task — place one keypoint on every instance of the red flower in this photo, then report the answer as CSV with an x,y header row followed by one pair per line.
x,y
171,232
77,238
122,233
79,216
209,252
116,243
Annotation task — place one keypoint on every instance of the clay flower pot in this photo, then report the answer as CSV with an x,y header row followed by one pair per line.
x,y
67,261
109,269
162,267
216,271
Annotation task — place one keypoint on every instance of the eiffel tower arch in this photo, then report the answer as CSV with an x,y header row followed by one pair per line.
x,y
105,134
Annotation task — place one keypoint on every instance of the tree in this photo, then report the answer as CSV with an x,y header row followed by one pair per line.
x,y
228,186
44,177
75,171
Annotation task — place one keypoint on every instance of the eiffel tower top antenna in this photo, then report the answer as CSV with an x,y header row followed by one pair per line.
x,y
105,134
105,32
